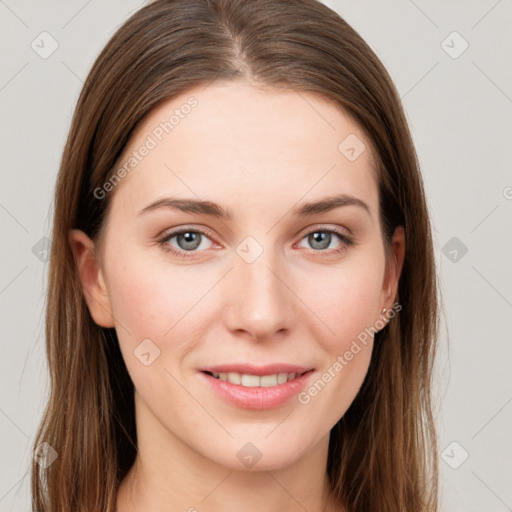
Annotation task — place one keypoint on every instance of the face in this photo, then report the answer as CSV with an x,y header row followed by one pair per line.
x,y
239,293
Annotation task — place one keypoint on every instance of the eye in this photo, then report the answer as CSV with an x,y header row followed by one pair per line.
x,y
186,242
322,239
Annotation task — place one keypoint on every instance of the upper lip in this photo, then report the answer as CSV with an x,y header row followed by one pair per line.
x,y
249,369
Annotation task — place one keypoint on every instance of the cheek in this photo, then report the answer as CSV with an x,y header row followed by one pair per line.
x,y
176,306
160,303
169,304
346,299
148,293
154,301
347,304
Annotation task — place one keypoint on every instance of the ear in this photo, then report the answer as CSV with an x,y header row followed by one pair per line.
x,y
91,277
394,266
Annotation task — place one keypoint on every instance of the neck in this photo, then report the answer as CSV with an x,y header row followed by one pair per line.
x,y
169,475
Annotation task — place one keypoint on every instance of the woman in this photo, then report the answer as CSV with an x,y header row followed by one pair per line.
x,y
242,300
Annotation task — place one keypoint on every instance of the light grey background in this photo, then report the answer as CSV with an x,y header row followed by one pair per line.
x,y
460,112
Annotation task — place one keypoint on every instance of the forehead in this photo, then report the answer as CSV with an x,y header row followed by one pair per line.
x,y
241,144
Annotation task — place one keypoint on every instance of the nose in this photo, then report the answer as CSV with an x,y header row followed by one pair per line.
x,y
260,302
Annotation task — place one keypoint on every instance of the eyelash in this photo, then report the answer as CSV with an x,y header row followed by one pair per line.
x,y
344,238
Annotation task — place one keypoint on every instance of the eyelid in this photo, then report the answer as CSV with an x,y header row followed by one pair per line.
x,y
204,231
183,229
346,238
343,232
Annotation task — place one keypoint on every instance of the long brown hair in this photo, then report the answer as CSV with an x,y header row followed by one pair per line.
x,y
382,452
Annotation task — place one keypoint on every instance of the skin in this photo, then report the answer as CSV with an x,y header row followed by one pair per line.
x,y
259,153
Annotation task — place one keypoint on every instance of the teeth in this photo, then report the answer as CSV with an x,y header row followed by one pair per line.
x,y
250,381
268,380
254,381
282,378
234,378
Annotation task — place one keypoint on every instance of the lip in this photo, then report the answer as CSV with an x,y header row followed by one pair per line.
x,y
258,398
249,369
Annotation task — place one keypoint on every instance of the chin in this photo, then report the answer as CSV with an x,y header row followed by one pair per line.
x,y
259,451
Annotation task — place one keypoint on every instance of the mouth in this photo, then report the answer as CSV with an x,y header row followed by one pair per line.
x,y
254,381
258,388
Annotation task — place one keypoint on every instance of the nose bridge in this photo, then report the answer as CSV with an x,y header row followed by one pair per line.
x,y
260,303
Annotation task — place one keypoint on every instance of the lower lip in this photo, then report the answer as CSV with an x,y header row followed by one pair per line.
x,y
258,398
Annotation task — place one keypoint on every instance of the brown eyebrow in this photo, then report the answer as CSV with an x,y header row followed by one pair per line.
x,y
189,206
329,203
215,210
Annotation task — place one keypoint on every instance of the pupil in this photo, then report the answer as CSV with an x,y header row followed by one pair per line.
x,y
191,240
322,238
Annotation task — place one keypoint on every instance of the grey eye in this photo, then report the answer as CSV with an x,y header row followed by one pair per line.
x,y
320,240
188,240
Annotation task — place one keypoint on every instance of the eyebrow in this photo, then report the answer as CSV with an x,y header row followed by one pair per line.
x,y
213,209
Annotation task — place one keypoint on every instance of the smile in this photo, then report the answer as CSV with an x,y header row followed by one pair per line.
x,y
258,388
254,381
